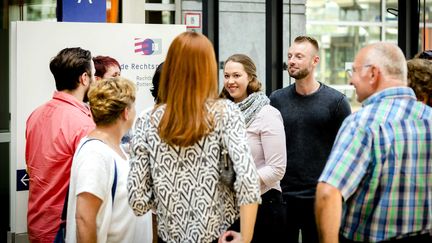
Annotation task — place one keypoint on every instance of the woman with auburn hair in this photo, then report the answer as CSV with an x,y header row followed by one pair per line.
x,y
177,152
266,137
106,67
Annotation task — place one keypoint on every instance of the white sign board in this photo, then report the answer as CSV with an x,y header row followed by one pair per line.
x,y
139,48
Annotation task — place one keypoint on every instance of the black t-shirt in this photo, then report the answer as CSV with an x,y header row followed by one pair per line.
x,y
311,125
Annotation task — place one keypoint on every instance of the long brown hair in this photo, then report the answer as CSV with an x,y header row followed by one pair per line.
x,y
188,81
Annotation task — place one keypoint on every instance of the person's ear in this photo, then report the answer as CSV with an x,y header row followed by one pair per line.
x,y
85,79
125,113
374,76
315,60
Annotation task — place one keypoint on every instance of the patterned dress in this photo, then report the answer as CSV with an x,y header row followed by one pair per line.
x,y
182,183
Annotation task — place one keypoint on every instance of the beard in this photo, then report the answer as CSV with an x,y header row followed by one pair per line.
x,y
301,74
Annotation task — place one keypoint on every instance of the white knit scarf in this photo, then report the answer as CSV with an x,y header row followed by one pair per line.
x,y
252,105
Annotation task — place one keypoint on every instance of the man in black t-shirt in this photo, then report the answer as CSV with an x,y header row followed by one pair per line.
x,y
312,113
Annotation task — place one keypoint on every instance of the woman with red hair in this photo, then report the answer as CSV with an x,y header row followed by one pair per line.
x,y
176,152
106,67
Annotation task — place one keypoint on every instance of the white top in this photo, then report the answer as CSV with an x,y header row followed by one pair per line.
x,y
266,138
93,172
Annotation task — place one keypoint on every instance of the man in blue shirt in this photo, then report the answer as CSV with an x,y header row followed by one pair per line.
x,y
380,166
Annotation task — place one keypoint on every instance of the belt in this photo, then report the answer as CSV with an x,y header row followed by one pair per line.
x,y
412,235
272,196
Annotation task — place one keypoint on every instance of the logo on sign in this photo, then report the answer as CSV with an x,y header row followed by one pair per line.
x,y
148,46
90,1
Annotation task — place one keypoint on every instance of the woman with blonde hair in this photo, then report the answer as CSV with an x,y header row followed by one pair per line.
x,y
98,209
177,152
266,137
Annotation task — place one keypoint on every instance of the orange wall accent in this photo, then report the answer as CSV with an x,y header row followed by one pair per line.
x,y
113,13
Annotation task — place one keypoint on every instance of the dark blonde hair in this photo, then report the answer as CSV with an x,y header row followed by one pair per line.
x,y
249,67
311,40
420,79
188,81
109,97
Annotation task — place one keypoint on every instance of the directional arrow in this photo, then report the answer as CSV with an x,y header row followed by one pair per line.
x,y
90,1
24,179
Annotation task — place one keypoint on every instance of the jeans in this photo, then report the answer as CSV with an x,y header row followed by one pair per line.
x,y
300,217
270,218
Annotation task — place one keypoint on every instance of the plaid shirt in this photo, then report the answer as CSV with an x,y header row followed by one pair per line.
x,y
381,163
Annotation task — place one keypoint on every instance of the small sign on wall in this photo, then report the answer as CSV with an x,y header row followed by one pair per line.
x,y
23,180
192,20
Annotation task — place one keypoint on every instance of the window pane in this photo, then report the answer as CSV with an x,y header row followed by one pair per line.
x,y
425,33
391,34
242,30
344,10
40,10
160,17
338,46
428,11
160,1
391,11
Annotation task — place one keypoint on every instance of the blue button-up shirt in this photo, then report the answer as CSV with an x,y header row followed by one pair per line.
x,y
381,163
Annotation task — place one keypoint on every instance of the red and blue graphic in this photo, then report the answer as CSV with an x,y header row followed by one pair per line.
x,y
148,46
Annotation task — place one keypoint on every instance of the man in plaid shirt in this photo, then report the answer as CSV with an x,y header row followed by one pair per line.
x,y
380,168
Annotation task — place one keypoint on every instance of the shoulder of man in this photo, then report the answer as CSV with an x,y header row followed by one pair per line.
x,y
280,92
335,94
332,90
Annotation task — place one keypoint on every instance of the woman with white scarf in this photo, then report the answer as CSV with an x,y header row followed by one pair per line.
x,y
266,138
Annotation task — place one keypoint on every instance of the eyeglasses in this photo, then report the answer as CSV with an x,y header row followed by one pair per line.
x,y
426,55
350,71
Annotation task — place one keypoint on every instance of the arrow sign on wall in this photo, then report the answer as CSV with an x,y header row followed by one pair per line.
x,y
22,180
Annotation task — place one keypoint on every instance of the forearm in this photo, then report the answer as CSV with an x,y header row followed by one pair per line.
x,y
139,185
86,231
328,211
86,212
247,221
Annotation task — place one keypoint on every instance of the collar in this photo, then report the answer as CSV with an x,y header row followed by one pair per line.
x,y
320,86
390,93
70,99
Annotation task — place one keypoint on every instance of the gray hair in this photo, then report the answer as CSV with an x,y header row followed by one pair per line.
x,y
390,58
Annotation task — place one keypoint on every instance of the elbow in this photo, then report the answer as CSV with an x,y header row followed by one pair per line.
x,y
326,192
272,174
276,166
278,172
139,206
83,222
